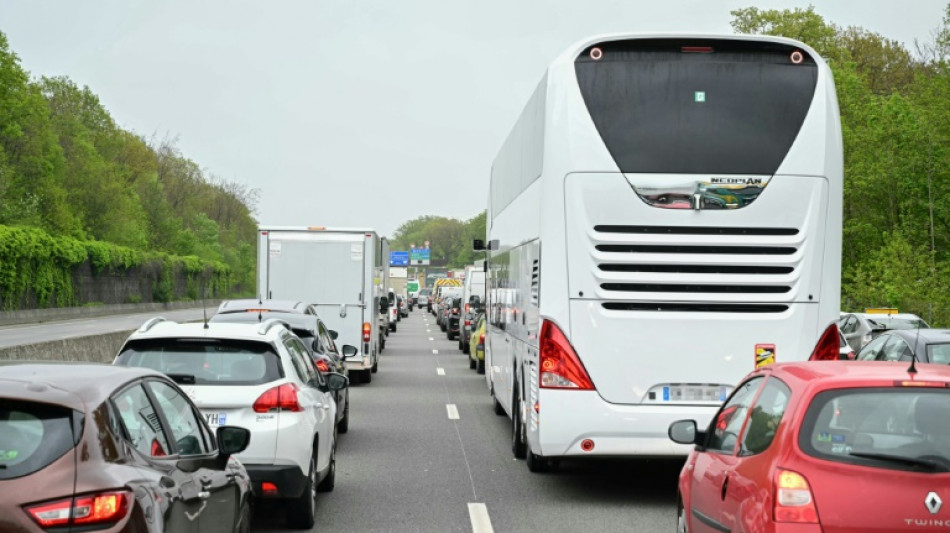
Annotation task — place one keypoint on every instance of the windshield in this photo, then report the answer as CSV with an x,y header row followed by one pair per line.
x,y
896,428
205,361
898,323
32,436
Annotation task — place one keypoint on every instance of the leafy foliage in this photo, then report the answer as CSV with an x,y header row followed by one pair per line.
x,y
450,239
67,169
896,130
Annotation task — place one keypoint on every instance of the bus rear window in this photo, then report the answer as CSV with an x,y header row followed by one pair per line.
x,y
673,106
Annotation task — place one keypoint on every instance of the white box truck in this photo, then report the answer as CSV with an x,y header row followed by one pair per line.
x,y
342,271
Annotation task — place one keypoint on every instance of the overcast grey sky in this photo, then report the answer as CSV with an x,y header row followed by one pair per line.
x,y
349,112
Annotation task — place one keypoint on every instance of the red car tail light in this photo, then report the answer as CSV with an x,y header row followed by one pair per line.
x,y
827,348
281,397
560,366
481,339
367,330
793,499
322,366
102,508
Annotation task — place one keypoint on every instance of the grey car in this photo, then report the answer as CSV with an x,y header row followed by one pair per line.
x,y
929,345
861,328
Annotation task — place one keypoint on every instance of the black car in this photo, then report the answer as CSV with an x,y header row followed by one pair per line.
x,y
453,317
929,345
306,324
85,447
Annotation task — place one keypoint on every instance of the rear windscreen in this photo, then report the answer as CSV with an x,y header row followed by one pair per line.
x,y
33,435
671,106
205,361
900,428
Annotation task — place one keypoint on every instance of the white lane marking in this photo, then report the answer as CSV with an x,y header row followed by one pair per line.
x,y
452,410
478,514
435,352
440,371
431,339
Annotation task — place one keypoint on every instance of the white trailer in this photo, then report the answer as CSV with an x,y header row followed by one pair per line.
x,y
337,269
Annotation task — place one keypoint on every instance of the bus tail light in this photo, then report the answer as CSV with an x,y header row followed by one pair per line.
x,y
828,345
367,330
793,499
560,366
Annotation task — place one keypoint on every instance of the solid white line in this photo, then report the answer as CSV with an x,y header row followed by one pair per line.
x,y
478,514
435,352
452,410
440,371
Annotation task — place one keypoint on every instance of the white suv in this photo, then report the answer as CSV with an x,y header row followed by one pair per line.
x,y
257,376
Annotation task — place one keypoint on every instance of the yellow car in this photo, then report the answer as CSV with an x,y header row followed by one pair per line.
x,y
476,355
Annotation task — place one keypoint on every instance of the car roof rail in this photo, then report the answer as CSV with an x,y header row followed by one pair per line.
x,y
270,323
150,323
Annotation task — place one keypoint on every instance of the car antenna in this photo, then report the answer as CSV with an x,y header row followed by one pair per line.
x,y
913,352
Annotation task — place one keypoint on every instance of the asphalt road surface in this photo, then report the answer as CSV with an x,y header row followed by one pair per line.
x,y
405,466
18,335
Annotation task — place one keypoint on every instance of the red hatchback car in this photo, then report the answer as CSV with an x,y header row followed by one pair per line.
x,y
824,446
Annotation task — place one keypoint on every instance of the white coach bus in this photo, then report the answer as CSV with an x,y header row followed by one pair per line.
x,y
664,217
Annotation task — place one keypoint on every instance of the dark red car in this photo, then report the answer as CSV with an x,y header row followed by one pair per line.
x,y
87,447
823,446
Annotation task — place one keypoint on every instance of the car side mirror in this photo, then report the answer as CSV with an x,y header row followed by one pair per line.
x,y
478,245
683,432
336,381
350,350
232,439
333,334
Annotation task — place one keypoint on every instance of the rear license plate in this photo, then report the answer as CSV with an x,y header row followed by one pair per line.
x,y
216,419
695,393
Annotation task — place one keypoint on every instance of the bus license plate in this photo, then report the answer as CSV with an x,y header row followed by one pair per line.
x,y
216,419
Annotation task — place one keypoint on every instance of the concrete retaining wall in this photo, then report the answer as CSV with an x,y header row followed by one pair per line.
x,y
97,348
33,316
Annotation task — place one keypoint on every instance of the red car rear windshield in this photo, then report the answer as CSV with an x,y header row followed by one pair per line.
x,y
899,428
33,435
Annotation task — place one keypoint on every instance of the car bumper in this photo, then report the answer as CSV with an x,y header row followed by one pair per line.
x,y
289,479
567,418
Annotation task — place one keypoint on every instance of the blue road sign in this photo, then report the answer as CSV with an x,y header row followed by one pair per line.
x,y
399,259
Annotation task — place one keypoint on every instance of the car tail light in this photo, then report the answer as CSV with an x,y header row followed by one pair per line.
x,y
793,499
102,508
827,348
467,308
322,366
481,339
281,397
560,366
367,330
468,323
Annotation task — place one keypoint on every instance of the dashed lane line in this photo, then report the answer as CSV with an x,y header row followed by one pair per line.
x,y
452,410
478,514
435,352
440,371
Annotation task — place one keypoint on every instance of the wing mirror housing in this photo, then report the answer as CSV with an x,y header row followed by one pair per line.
x,y
349,350
232,439
336,381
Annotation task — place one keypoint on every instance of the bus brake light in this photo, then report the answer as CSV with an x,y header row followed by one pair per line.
x,y
560,366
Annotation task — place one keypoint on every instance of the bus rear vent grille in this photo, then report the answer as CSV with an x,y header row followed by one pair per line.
x,y
694,230
535,283
695,307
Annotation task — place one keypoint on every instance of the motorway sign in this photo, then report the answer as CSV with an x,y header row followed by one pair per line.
x,y
419,256
398,259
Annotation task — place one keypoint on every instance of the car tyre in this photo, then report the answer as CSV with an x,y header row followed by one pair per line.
x,y
375,366
682,526
302,511
330,480
537,463
344,425
244,519
471,363
466,347
367,376
518,445
481,368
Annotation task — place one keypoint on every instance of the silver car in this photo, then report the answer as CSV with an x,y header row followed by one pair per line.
x,y
860,328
